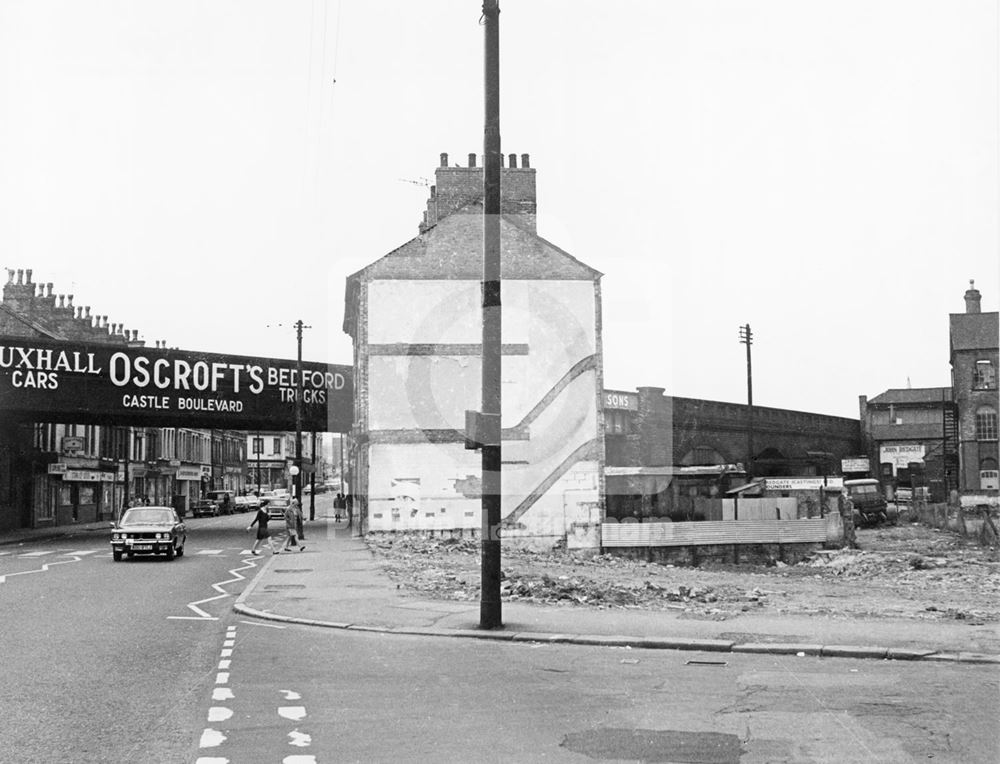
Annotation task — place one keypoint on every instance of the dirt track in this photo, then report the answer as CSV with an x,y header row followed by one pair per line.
x,y
907,571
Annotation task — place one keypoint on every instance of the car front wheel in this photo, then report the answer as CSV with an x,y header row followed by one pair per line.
x,y
117,555
170,552
180,551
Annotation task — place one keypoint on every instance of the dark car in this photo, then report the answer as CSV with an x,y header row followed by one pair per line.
x,y
226,501
204,508
148,530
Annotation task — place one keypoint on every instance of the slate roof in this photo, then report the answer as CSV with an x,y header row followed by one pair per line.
x,y
914,395
974,331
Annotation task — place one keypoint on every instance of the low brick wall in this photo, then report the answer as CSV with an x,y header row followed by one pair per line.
x,y
979,524
738,554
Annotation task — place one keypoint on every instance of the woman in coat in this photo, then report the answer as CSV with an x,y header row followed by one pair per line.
x,y
262,532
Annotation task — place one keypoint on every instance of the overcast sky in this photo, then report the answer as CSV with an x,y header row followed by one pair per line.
x,y
825,170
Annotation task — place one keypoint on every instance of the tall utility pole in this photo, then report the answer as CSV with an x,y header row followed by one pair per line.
x,y
746,338
489,608
297,478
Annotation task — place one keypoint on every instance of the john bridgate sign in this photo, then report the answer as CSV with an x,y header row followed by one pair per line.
x,y
75,383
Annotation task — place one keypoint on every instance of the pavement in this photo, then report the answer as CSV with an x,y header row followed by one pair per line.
x,y
336,582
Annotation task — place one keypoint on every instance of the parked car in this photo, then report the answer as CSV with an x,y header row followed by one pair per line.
x,y
204,507
276,507
225,500
148,530
870,506
247,503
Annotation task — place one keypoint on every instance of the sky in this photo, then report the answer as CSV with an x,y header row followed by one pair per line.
x,y
208,172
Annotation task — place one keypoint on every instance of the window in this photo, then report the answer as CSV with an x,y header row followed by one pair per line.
x,y
616,422
276,447
984,376
258,446
986,423
989,477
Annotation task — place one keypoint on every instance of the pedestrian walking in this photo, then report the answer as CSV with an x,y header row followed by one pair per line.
x,y
349,506
292,528
338,506
299,525
263,534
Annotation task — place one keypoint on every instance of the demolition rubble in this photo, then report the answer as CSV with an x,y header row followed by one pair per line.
x,y
908,571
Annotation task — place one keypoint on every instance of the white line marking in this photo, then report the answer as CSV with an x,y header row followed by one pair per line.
x,y
83,552
224,664
299,759
229,643
44,568
222,677
300,739
222,693
222,593
36,554
210,738
219,714
210,551
295,713
191,618
290,695
226,653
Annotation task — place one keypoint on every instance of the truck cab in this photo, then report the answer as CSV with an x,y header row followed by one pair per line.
x,y
870,506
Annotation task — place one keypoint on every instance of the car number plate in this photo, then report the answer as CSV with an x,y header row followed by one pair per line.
x,y
142,547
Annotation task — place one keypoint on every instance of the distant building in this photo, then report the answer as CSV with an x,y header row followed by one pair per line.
x,y
665,453
56,473
974,360
942,438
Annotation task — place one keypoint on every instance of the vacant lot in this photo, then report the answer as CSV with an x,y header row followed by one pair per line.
x,y
907,571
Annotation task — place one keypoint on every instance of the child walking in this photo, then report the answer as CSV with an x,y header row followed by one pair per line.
x,y
262,532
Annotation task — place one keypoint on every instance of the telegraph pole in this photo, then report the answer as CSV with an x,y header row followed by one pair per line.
x,y
490,609
746,338
297,477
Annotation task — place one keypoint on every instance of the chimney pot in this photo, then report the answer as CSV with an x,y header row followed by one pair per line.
x,y
28,279
69,301
433,191
972,298
62,300
86,311
472,160
524,161
49,288
20,276
512,160
444,160
10,275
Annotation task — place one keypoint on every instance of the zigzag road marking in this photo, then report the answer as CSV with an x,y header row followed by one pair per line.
x,y
43,569
201,614
37,554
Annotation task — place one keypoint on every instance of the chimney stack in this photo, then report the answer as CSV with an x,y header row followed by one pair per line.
x,y
972,298
472,160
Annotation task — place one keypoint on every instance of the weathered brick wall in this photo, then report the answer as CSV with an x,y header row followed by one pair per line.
x,y
458,187
666,428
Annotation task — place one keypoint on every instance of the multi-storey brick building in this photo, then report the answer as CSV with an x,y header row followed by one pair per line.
x,y
942,438
54,473
973,339
415,320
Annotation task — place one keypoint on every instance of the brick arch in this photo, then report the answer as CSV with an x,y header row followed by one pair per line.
x,y
704,453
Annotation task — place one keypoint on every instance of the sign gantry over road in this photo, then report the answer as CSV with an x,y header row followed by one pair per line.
x,y
55,381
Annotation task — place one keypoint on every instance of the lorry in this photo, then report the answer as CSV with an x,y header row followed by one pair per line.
x,y
870,506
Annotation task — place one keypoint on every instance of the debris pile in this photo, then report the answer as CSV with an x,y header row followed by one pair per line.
x,y
912,572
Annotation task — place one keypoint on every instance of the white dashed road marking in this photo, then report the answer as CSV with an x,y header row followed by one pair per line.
x,y
219,714
222,693
36,554
210,551
294,713
299,739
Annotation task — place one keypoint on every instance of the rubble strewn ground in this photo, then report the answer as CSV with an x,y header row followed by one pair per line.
x,y
905,571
